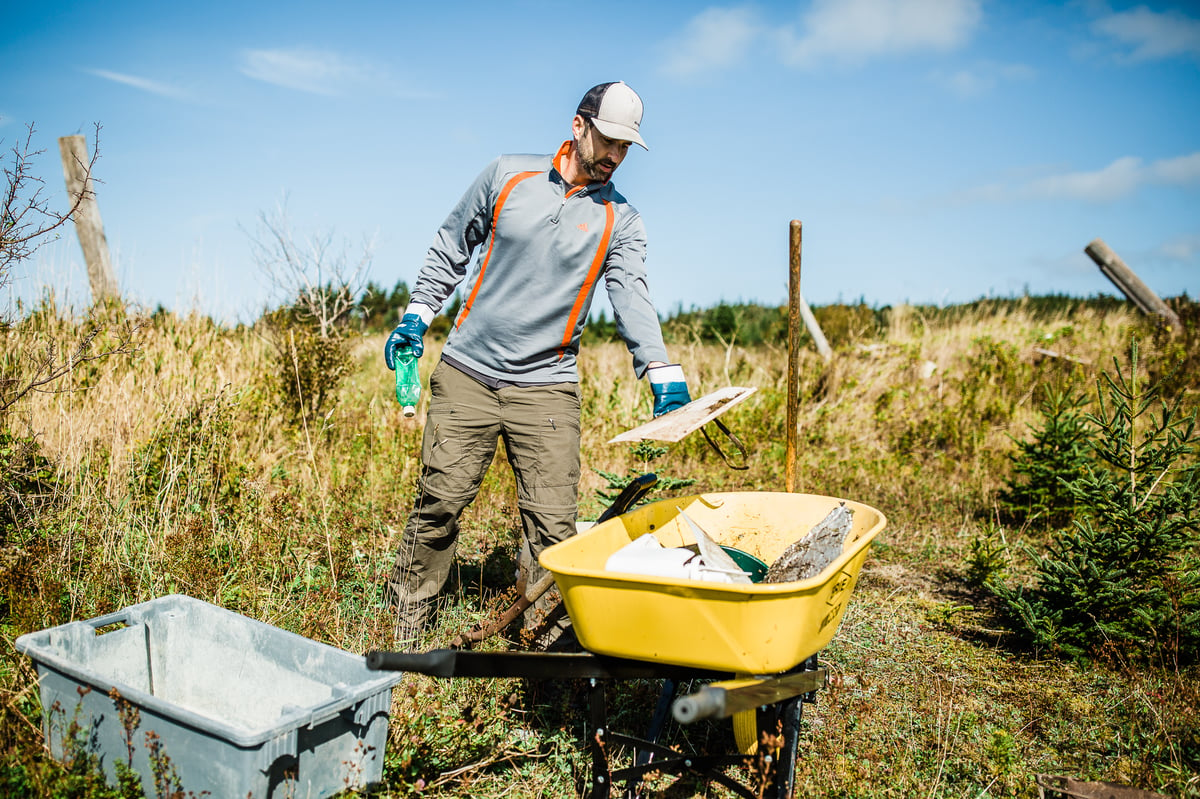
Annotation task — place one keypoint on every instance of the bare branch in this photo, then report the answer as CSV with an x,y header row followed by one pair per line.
x,y
26,219
315,275
37,368
44,368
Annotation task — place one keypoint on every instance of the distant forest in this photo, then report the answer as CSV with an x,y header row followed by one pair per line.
x,y
748,324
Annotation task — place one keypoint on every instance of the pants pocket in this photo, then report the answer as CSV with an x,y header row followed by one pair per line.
x,y
456,455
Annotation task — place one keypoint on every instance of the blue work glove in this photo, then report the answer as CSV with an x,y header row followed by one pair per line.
x,y
406,336
669,387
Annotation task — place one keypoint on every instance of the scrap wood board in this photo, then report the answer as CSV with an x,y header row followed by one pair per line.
x,y
678,423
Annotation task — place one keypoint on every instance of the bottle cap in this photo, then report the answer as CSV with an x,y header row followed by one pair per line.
x,y
409,411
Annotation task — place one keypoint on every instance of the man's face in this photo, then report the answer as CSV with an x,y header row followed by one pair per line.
x,y
599,156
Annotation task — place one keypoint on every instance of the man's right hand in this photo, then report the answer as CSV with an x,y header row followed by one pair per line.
x,y
407,336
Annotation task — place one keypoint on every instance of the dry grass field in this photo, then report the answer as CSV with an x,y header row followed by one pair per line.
x,y
179,466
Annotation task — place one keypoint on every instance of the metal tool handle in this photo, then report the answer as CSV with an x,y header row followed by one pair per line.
x,y
528,594
629,496
737,442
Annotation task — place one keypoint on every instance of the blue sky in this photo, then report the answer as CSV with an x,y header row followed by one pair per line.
x,y
935,150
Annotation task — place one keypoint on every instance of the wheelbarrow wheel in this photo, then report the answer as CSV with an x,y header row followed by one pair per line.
x,y
745,731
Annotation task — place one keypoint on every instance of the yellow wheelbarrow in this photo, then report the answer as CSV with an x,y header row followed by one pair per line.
x,y
756,642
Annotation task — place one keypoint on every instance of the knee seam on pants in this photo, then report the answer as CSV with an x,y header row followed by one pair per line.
x,y
541,508
468,497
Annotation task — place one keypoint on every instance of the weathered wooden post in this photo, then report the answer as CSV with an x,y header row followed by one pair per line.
x,y
77,171
1130,284
798,310
814,330
793,388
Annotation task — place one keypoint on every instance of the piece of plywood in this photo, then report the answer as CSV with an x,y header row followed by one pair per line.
x,y
678,423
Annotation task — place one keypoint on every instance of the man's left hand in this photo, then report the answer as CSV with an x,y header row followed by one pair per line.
x,y
669,388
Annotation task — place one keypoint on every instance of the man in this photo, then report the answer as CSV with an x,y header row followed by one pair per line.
x,y
549,228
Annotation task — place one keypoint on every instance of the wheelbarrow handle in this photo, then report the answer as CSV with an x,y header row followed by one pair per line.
x,y
533,665
436,663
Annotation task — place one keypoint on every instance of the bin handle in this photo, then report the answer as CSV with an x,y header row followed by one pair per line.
x,y
330,709
120,616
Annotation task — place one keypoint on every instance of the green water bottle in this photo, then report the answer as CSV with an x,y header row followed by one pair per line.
x,y
408,381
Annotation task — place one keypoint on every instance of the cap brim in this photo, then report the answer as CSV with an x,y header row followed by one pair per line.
x,y
620,132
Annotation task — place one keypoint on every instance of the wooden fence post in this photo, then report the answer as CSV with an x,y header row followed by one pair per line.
x,y
815,331
77,171
1130,284
793,388
797,310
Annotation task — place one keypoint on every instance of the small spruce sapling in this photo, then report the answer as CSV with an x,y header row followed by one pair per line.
x,y
1045,466
1124,579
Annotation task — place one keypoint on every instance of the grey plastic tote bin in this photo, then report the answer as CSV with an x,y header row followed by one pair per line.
x,y
225,704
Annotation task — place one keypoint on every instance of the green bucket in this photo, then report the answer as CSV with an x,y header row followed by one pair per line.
x,y
747,563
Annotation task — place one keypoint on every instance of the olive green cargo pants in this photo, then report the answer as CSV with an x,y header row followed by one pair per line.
x,y
540,429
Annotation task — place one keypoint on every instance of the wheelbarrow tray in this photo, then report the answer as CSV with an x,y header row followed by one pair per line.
x,y
758,628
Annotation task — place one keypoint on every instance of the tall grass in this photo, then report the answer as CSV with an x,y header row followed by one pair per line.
x,y
180,468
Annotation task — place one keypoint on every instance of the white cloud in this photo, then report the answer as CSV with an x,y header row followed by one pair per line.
x,y
1183,249
1183,170
964,82
843,31
982,78
1119,179
323,72
313,71
715,38
1152,35
854,31
144,84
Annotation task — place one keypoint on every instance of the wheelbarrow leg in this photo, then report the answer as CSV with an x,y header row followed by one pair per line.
x,y
598,737
790,712
784,781
670,689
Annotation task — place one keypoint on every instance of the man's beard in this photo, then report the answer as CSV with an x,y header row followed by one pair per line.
x,y
590,164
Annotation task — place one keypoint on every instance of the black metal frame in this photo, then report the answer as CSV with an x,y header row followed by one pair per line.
x,y
778,698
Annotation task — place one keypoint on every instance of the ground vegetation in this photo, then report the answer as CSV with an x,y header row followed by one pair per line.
x,y
182,466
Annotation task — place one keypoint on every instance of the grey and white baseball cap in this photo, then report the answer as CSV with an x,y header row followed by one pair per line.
x,y
615,110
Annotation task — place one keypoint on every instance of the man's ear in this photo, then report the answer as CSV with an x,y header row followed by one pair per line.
x,y
578,127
